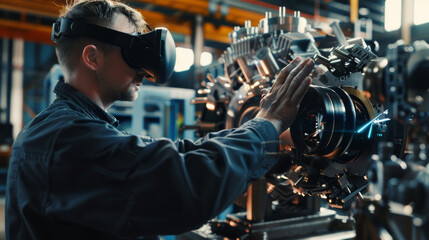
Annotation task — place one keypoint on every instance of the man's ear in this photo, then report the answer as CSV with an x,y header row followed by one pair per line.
x,y
91,57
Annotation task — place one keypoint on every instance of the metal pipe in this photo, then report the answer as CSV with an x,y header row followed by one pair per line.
x,y
198,39
9,79
199,100
2,82
297,14
339,33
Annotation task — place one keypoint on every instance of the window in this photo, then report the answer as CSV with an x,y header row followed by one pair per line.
x,y
184,59
421,11
392,15
206,58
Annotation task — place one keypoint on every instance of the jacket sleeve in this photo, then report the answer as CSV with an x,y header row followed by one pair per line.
x,y
133,186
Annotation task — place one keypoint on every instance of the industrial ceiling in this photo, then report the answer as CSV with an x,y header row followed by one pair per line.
x,y
32,19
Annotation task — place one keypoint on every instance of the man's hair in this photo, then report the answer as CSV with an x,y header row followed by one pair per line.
x,y
99,12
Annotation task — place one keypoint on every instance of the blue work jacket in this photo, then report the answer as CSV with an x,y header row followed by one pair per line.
x,y
74,175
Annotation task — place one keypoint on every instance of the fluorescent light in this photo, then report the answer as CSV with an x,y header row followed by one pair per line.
x,y
420,11
184,59
206,58
392,15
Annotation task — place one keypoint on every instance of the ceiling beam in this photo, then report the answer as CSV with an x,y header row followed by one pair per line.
x,y
176,15
26,31
36,7
42,33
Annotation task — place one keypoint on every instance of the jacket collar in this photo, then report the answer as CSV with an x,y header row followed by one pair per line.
x,y
65,91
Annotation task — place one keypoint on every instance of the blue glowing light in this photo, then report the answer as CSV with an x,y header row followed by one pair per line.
x,y
370,124
382,120
370,131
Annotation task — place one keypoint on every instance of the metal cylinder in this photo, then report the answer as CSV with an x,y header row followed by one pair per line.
x,y
267,65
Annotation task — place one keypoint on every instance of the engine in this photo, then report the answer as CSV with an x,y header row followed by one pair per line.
x,y
355,116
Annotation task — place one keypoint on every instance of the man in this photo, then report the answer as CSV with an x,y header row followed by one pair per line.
x,y
73,175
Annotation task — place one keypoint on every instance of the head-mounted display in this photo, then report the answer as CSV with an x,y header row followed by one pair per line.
x,y
153,53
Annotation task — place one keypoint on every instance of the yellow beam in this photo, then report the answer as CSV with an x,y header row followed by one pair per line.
x,y
354,10
175,23
238,16
26,31
39,33
38,7
188,6
180,26
217,33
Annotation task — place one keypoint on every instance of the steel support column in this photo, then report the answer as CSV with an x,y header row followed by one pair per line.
x,y
9,78
5,80
17,87
198,39
407,20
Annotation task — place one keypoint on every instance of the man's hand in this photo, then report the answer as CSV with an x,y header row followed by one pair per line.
x,y
280,105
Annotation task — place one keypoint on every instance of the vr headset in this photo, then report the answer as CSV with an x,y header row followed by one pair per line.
x,y
152,54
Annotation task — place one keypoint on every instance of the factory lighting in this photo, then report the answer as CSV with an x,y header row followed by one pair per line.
x,y
392,15
206,58
420,11
184,59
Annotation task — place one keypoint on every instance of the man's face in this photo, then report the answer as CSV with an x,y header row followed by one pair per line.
x,y
117,80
